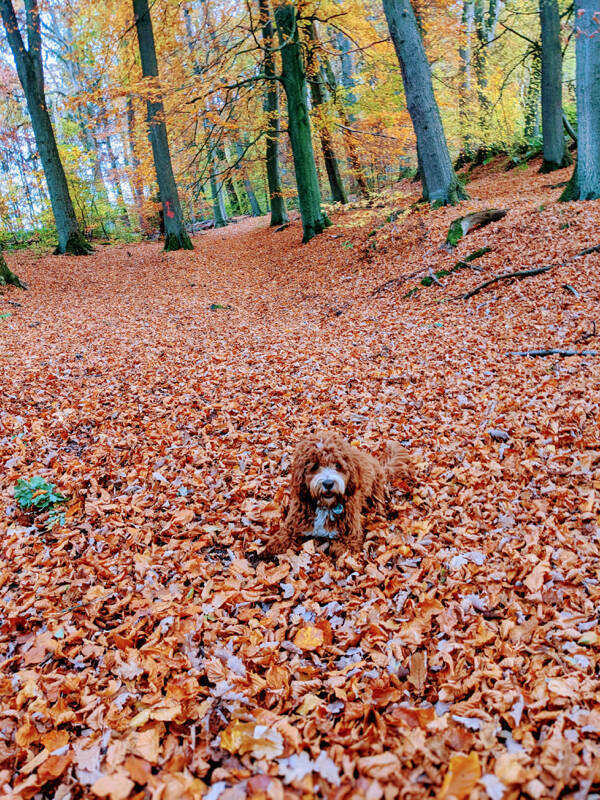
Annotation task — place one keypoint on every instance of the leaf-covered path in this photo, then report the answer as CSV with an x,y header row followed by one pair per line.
x,y
147,653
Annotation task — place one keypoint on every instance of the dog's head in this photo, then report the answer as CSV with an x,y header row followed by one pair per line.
x,y
324,471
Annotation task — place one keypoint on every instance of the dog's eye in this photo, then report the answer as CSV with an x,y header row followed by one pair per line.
x,y
313,467
338,466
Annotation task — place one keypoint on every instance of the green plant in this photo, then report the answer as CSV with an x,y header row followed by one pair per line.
x,y
38,495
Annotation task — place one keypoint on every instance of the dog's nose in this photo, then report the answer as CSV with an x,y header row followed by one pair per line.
x,y
328,485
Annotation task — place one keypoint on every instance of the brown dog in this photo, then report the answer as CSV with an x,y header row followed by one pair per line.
x,y
332,484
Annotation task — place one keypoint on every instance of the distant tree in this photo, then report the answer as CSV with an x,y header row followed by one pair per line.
x,y
556,154
293,77
176,237
440,184
585,182
28,61
317,94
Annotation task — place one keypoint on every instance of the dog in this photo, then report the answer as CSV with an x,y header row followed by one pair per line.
x,y
332,483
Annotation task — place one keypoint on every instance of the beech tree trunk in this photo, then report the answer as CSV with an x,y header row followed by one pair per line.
x,y
293,77
276,199
28,61
317,94
255,208
440,184
556,154
176,236
585,183
7,276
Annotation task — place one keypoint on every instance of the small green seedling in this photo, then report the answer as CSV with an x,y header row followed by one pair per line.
x,y
38,495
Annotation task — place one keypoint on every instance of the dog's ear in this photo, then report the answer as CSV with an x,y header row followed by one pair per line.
x,y
353,475
299,490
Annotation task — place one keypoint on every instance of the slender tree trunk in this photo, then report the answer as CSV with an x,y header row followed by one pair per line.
x,y
441,186
28,61
7,277
116,182
276,199
249,189
532,99
314,220
465,70
585,183
317,94
356,167
556,154
135,164
175,234
218,201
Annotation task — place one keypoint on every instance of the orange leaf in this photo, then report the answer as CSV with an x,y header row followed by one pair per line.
x,y
309,638
462,776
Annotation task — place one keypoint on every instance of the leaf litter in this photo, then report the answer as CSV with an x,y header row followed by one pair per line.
x,y
148,651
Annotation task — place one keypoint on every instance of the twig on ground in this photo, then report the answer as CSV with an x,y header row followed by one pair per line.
x,y
553,351
585,337
434,278
523,273
571,289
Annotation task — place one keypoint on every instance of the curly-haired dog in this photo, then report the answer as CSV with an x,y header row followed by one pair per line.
x,y
332,483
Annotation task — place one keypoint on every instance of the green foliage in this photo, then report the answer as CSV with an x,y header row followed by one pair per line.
x,y
37,495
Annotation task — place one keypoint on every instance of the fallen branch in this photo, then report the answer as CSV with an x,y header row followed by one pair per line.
x,y
523,273
434,278
585,337
553,351
463,225
573,291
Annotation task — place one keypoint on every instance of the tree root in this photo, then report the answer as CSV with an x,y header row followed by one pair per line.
x,y
523,273
8,277
553,351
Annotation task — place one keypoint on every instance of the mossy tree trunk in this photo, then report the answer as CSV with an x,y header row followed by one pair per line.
x,y
556,154
28,61
7,277
585,183
293,77
440,184
276,199
176,237
317,94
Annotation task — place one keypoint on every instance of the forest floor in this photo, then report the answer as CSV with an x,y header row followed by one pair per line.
x,y
147,653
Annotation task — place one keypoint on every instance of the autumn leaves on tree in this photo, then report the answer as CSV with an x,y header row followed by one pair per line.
x,y
199,112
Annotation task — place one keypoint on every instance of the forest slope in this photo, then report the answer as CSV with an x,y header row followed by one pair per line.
x,y
164,394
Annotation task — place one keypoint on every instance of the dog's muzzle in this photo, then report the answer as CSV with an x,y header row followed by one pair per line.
x,y
327,486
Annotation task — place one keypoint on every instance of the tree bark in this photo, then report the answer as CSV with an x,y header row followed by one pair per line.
x,y
293,77
585,183
28,61
317,94
176,236
276,199
255,208
7,277
556,154
441,186
532,99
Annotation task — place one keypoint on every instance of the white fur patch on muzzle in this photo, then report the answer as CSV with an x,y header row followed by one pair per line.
x,y
326,481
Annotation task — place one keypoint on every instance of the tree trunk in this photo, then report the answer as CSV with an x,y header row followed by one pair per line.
x,y
317,94
28,61
218,201
556,154
441,186
254,204
276,199
465,52
585,183
116,182
532,99
314,220
7,277
136,186
176,236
